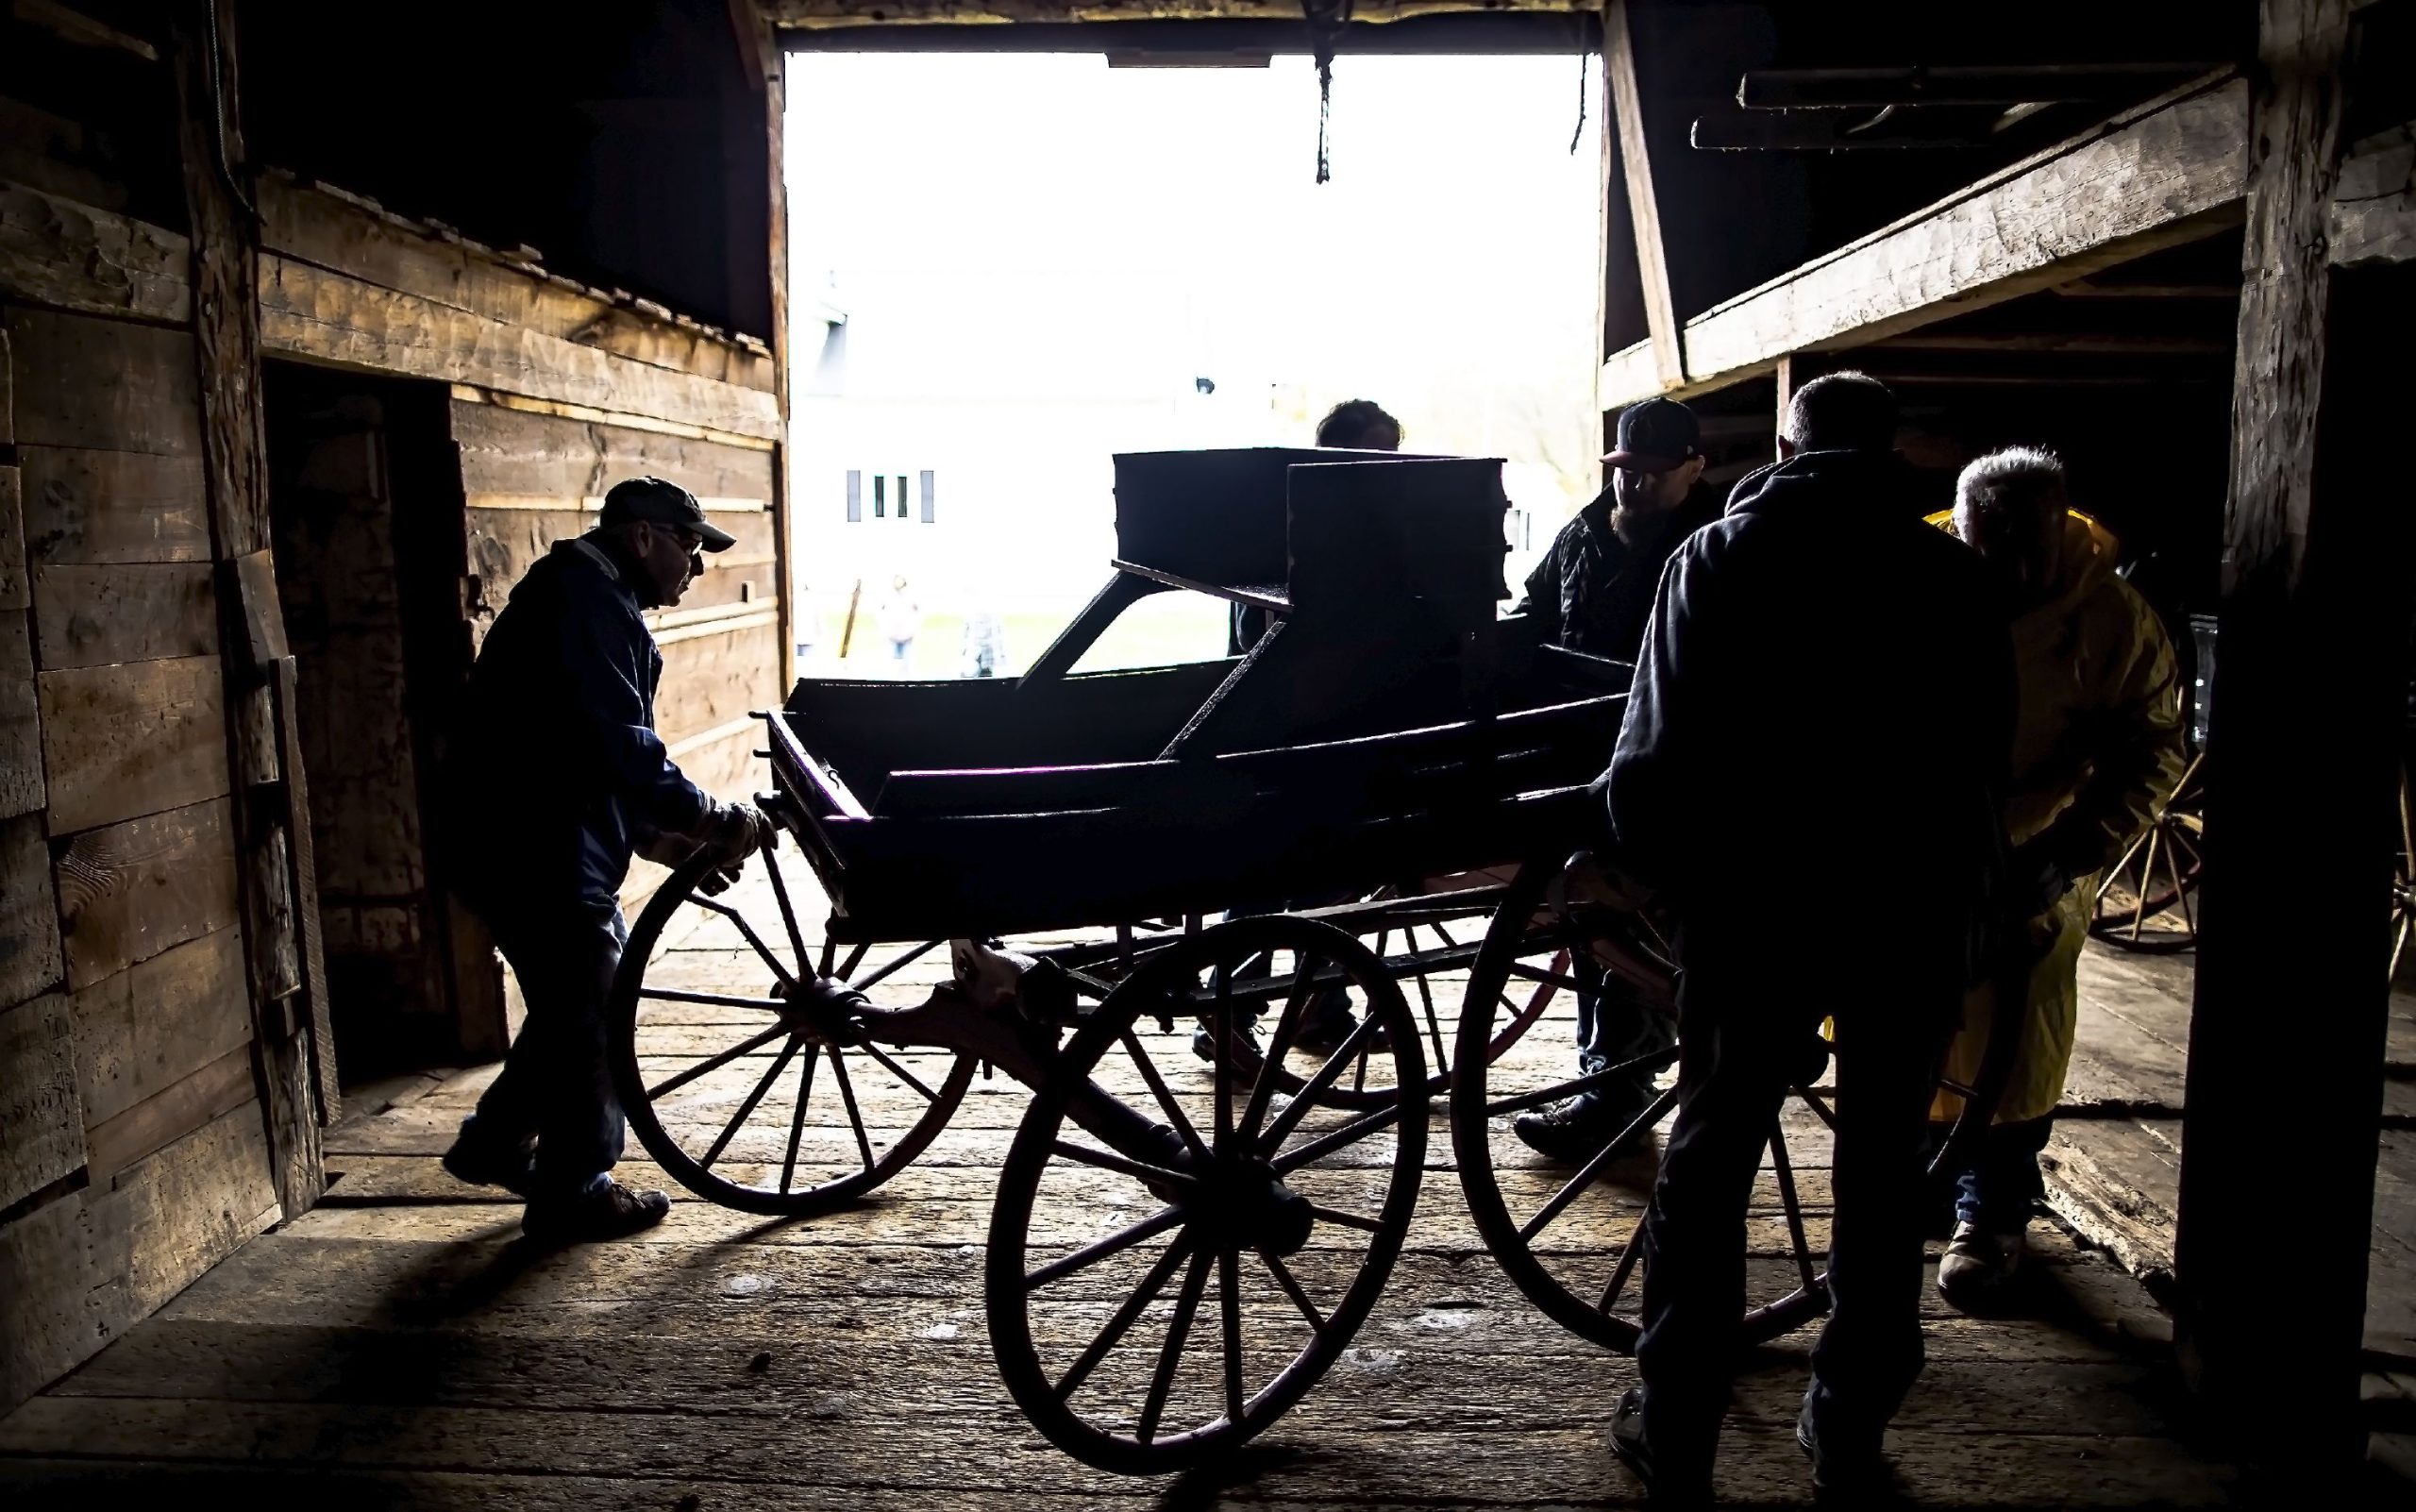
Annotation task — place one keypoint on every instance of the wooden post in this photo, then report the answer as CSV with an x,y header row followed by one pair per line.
x,y
226,300
1644,211
766,69
1785,376
2286,1043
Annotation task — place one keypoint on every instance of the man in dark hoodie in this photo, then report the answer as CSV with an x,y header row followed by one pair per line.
x,y
1593,592
555,778
1821,709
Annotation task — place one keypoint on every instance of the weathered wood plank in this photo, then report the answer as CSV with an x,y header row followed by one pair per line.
x,y
312,313
813,15
2374,208
30,958
170,1114
42,1307
16,589
130,891
91,615
22,789
42,1124
123,741
1644,209
515,453
146,1029
2168,173
711,681
311,226
55,251
109,385
96,507
506,542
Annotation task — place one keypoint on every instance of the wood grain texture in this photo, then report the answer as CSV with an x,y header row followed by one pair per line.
x,y
169,1113
109,385
146,1029
1644,210
92,616
310,313
16,588
309,225
31,960
513,452
41,1126
140,738
130,891
22,789
83,506
56,251
713,681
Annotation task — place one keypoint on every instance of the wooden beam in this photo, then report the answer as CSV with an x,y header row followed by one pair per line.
x,y
818,14
2374,214
1783,373
2167,172
310,313
55,252
1782,89
1644,211
2309,693
1828,131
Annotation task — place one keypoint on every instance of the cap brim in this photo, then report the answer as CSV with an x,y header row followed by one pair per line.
x,y
1636,461
715,539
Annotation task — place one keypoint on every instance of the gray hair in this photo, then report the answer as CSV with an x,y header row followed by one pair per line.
x,y
2016,485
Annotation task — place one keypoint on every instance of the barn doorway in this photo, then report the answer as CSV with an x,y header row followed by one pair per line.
x,y
1008,266
365,504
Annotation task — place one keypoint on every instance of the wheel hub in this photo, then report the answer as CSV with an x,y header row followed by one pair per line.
x,y
1244,1205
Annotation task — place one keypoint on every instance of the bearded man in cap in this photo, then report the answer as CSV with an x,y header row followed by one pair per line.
x,y
555,778
1592,592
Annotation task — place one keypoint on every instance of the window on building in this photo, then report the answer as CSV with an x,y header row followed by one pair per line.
x,y
931,505
855,495
879,497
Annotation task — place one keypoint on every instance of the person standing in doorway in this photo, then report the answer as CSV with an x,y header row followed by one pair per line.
x,y
555,776
901,620
1825,679
1593,592
2096,751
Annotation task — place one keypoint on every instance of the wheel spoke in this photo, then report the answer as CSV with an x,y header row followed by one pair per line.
x,y
2147,879
779,1063
1221,1022
899,1072
1348,1221
1303,1100
788,914
2180,885
1279,1043
1652,1064
898,964
1547,978
856,953
1788,1205
716,906
1433,1025
796,1118
848,1096
1186,1303
1593,1168
706,1068
1283,1278
718,999
1228,1302
1334,1139
1121,1324
1629,1254
1145,1174
1175,1118
1099,1249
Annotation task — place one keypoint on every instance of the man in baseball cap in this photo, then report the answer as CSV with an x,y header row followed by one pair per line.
x,y
1593,592
553,778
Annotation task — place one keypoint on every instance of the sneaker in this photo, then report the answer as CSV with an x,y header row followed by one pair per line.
x,y
478,1161
1979,1267
611,1211
1574,1130
1248,1051
1838,1467
1666,1485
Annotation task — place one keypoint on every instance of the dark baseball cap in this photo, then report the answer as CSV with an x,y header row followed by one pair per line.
x,y
662,502
1656,436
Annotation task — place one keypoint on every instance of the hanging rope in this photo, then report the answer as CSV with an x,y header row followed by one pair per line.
x,y
1585,56
1327,21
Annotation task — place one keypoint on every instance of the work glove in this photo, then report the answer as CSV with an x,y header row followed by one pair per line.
x,y
734,831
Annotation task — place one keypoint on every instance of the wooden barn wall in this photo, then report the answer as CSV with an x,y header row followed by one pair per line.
x,y
135,1145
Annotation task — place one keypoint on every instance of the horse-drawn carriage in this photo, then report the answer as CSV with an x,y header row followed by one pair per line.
x,y
1071,838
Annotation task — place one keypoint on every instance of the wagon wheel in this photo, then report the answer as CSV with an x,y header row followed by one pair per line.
x,y
748,1088
2402,878
1428,943
1568,1237
2145,901
1276,1219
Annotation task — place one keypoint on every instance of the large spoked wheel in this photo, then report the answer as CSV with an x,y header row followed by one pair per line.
x,y
1175,1257
748,1088
2146,902
1566,1234
1427,939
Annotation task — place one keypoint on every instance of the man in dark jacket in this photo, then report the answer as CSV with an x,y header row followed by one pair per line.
x,y
1821,711
1592,592
555,778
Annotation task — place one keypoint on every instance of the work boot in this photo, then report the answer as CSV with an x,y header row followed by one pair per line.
x,y
1667,1485
1246,1048
479,1160
1327,1021
1574,1130
606,1211
1843,1463
1979,1267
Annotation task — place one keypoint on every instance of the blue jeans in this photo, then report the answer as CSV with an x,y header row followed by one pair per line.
x,y
556,1083
2001,1188
1613,1027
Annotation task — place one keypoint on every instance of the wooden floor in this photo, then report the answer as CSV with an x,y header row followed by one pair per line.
x,y
401,1346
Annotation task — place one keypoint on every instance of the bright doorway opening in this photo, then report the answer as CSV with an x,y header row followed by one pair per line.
x,y
1007,268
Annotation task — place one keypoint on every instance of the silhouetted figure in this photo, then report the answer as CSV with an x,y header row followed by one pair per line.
x,y
1819,719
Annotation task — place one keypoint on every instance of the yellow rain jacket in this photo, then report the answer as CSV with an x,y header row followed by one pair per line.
x,y
2096,751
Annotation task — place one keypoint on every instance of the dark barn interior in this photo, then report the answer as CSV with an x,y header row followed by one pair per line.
x,y
320,326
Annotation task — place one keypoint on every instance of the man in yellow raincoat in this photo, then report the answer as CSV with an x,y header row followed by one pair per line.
x,y
2096,749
